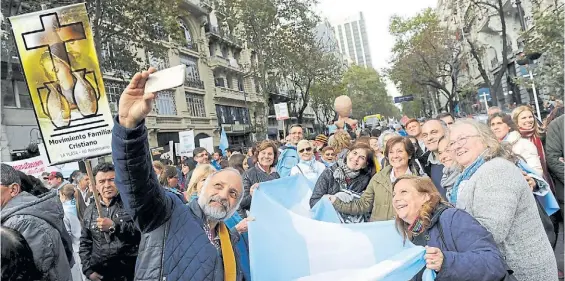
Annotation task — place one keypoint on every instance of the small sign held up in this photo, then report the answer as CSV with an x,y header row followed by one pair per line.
x,y
281,111
403,99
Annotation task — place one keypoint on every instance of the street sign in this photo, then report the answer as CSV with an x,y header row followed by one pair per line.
x,y
403,98
484,93
281,111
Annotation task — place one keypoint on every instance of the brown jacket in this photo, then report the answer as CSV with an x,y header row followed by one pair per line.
x,y
377,198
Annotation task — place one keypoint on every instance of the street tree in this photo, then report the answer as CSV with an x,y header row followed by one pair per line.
x,y
270,28
426,54
546,37
494,10
367,90
322,99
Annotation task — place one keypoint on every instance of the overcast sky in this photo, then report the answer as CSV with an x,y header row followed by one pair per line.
x,y
377,14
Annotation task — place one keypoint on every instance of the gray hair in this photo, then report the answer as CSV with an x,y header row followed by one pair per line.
x,y
382,138
80,176
494,148
8,175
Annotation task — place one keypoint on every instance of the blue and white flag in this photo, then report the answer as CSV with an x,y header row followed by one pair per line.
x,y
224,144
288,241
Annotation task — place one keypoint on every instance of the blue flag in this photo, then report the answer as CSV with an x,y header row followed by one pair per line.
x,y
290,241
224,144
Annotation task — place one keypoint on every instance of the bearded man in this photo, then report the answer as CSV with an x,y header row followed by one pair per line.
x,y
180,241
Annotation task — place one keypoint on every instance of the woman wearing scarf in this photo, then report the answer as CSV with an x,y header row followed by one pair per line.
x,y
491,188
450,170
505,130
383,138
458,248
349,176
523,117
376,200
307,165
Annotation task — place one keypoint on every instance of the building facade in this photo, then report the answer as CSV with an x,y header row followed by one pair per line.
x,y
351,35
216,93
482,25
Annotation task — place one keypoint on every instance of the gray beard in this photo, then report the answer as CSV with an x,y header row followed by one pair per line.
x,y
212,213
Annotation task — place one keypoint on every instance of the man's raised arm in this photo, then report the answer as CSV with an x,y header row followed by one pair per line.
x,y
143,197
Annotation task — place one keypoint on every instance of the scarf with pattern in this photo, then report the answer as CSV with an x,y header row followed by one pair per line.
x,y
342,174
465,175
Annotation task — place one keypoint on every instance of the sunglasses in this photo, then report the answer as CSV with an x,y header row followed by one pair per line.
x,y
305,149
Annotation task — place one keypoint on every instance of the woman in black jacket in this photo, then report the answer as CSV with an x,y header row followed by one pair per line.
x,y
351,174
264,170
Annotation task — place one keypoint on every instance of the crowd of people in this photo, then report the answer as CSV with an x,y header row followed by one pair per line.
x,y
470,192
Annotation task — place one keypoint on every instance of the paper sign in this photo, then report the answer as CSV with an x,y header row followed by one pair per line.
x,y
186,144
57,53
35,166
208,143
281,111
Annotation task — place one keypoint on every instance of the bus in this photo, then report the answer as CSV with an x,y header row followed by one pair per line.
x,y
372,120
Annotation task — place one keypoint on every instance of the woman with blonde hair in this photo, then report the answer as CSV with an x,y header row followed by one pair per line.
x,y
523,117
201,172
492,189
458,247
340,142
158,167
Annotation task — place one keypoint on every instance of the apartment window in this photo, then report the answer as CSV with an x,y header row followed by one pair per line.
x,y
195,104
240,84
232,115
219,82
187,34
191,67
158,63
230,82
113,91
225,52
18,97
165,103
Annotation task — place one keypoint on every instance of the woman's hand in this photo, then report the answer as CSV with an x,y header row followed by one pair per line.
x,y
530,180
434,258
253,187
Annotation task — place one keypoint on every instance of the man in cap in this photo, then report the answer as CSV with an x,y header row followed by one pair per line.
x,y
56,180
319,143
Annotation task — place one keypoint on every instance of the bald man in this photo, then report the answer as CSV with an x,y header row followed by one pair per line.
x,y
181,241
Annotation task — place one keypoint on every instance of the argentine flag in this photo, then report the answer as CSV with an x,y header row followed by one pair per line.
x,y
290,241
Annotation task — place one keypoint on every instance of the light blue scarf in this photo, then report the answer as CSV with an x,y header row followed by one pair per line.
x,y
308,163
466,175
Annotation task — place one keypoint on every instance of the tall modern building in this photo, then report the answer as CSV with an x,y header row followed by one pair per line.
x,y
351,35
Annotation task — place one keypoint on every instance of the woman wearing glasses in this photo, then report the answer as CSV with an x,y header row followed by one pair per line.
x,y
307,165
491,188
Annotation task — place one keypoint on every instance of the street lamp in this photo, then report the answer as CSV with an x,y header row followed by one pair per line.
x,y
528,60
518,5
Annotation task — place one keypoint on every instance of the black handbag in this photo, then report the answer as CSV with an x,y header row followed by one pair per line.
x,y
509,272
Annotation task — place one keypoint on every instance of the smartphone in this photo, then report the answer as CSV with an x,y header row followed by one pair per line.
x,y
165,79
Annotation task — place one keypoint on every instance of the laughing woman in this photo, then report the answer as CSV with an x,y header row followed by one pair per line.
x,y
458,248
491,188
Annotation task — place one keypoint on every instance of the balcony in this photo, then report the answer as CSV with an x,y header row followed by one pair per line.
x,y
494,63
194,83
218,33
190,48
227,93
229,64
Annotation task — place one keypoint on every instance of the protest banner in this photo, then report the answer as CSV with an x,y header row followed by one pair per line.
x,y
57,54
35,166
186,143
208,143
311,244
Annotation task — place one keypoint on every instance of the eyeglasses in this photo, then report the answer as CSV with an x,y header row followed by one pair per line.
x,y
460,142
305,149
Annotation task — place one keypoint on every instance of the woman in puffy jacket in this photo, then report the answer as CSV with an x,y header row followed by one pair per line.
x,y
458,248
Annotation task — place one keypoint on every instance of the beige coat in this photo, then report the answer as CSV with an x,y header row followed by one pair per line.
x,y
525,149
377,199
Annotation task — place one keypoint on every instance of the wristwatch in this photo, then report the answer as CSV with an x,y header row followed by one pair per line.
x,y
112,228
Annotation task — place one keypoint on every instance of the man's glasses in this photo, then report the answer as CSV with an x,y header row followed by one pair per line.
x,y
305,149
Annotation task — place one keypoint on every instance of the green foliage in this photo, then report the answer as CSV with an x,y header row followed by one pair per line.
x,y
425,56
547,37
367,90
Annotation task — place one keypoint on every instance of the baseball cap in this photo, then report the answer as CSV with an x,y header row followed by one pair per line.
x,y
55,175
